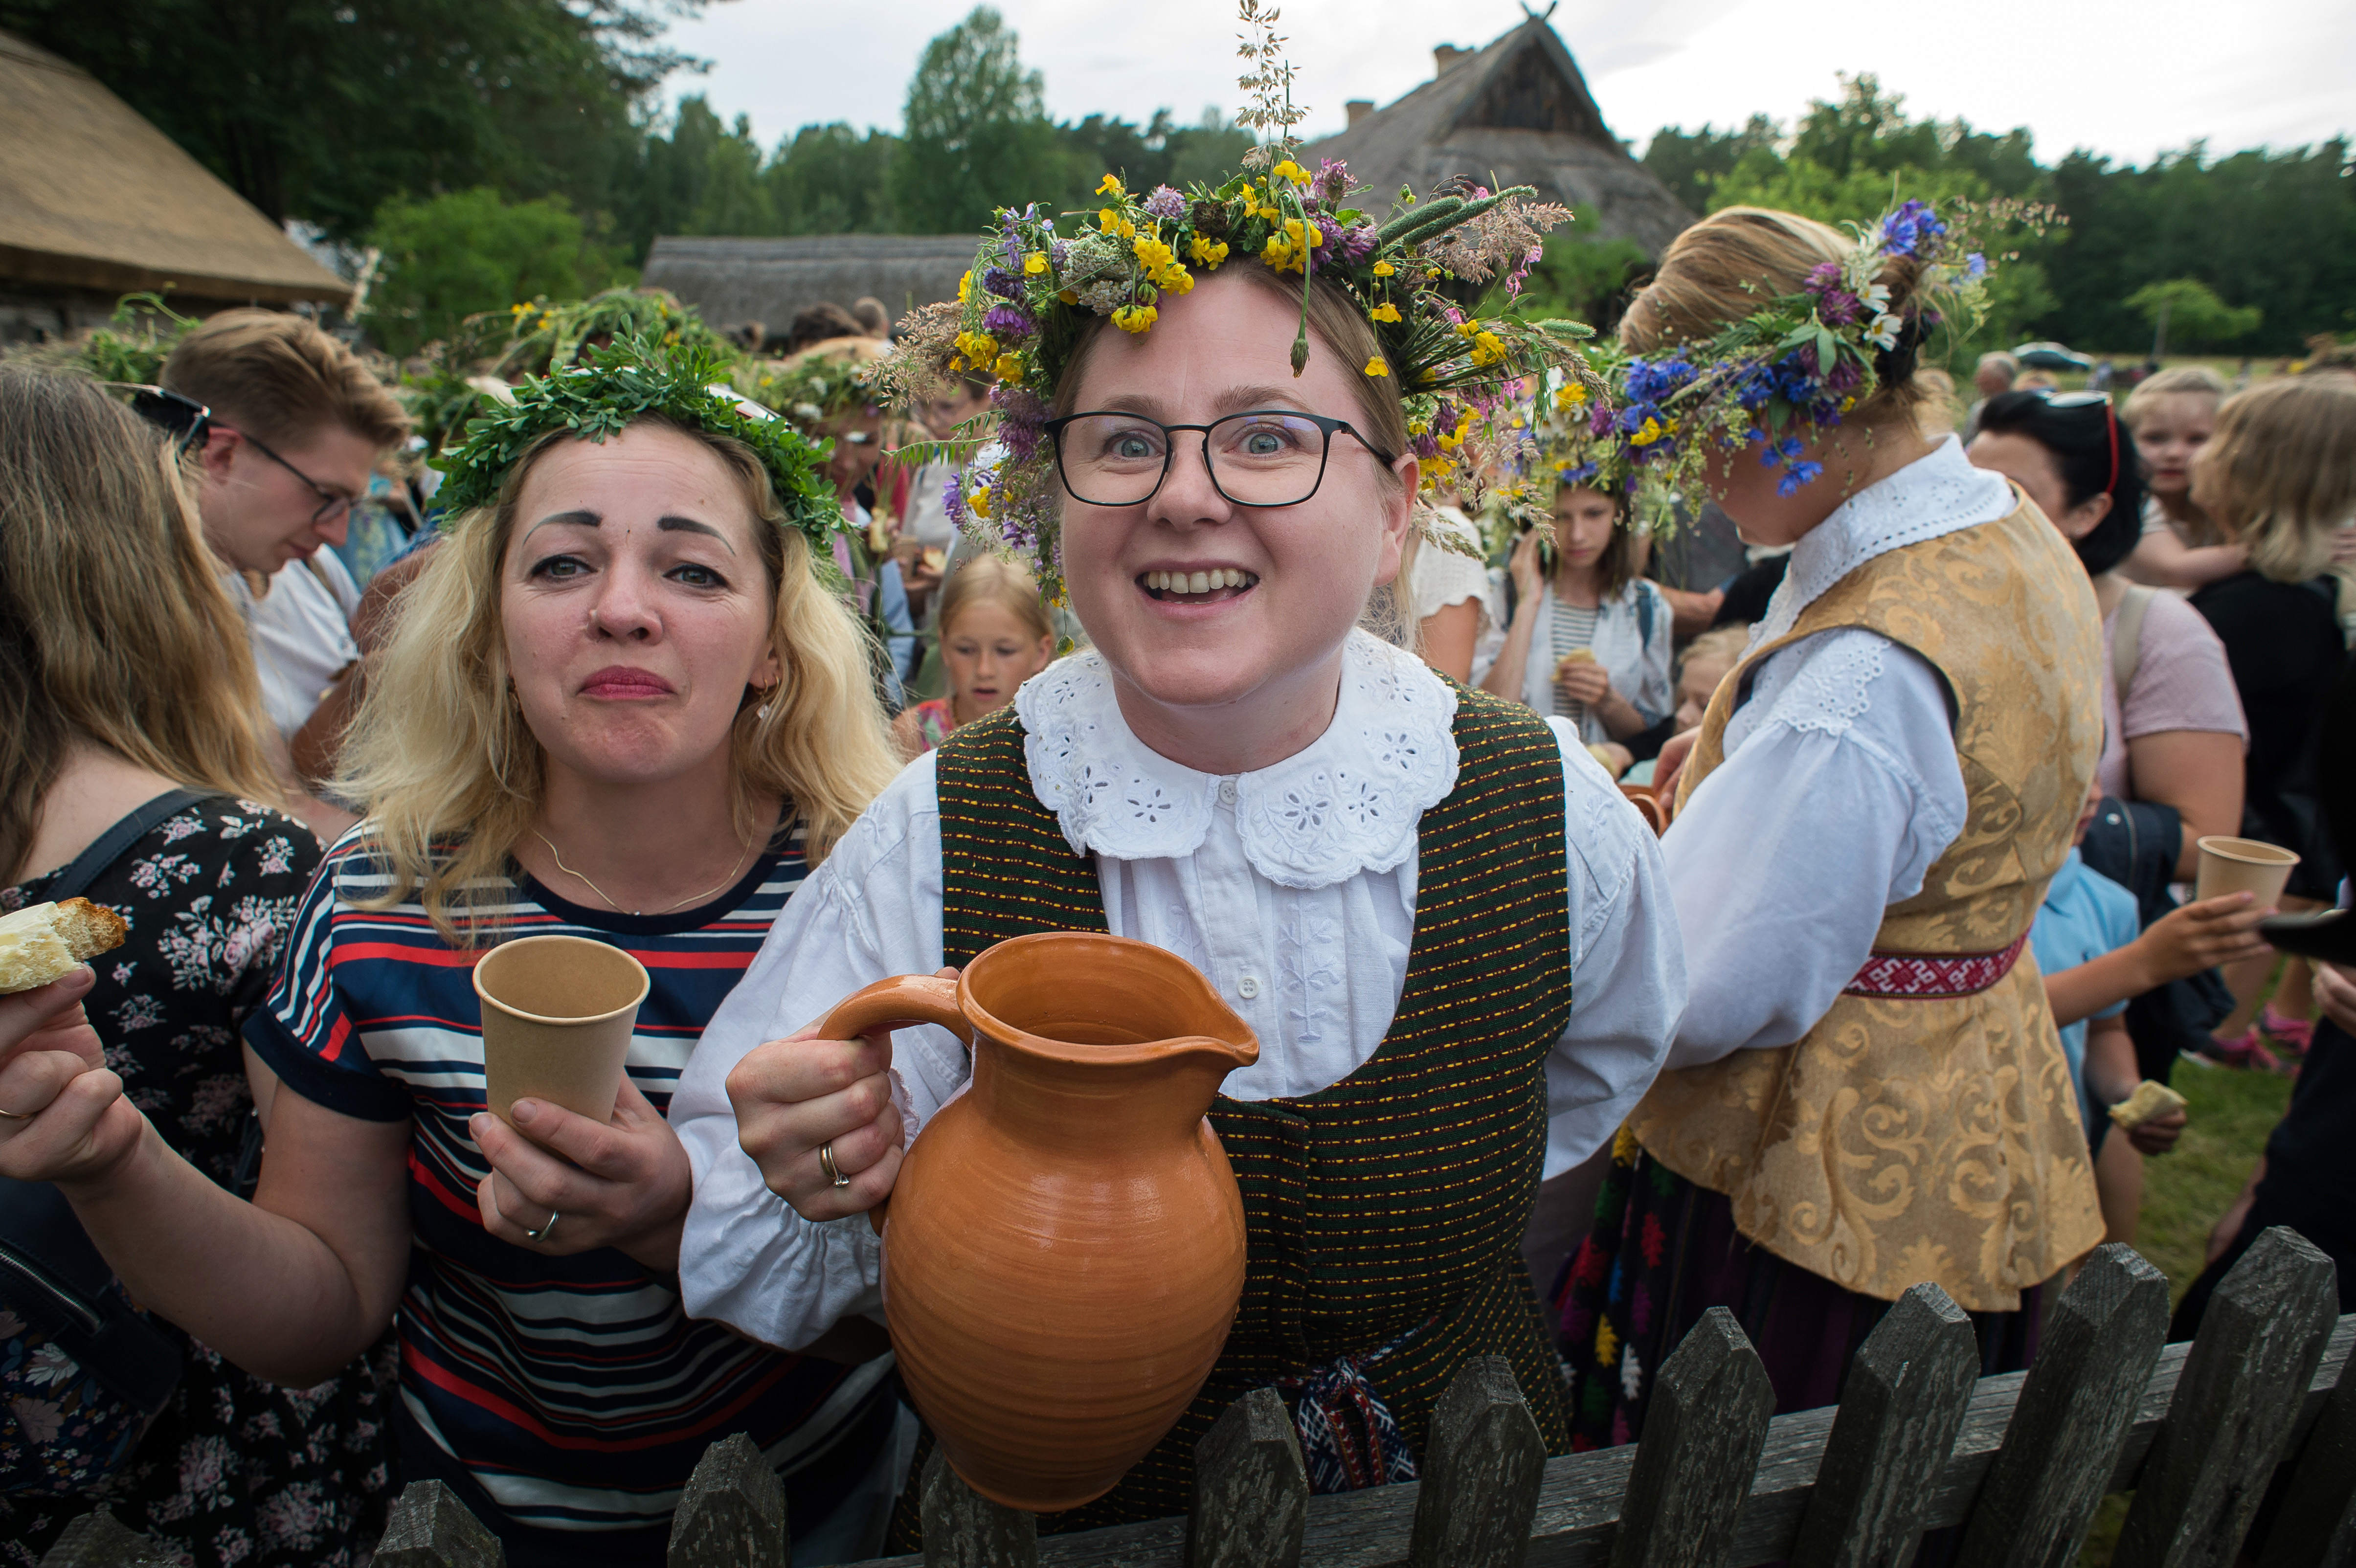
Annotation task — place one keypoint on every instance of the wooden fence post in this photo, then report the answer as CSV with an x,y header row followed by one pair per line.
x,y
2315,1525
1483,1465
99,1540
964,1529
732,1514
2234,1407
1703,1432
430,1527
1901,1403
2063,1440
1251,1490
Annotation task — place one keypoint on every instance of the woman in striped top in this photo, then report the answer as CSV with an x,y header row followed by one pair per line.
x,y
618,704
1591,643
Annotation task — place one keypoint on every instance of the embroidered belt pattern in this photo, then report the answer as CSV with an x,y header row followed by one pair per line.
x,y
1891,976
1348,1436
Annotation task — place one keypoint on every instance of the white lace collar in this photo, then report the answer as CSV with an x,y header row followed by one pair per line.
x,y
1346,803
1937,494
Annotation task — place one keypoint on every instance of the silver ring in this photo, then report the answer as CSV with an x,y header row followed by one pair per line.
x,y
542,1234
826,1163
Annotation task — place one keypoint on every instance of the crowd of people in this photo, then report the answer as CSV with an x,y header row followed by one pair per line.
x,y
1191,620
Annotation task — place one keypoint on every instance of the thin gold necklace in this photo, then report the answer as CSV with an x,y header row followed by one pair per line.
x,y
691,899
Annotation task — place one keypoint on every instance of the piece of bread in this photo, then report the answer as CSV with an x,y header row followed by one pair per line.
x,y
2150,1100
1576,656
44,941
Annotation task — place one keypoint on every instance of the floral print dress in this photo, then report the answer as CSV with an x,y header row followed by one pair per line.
x,y
234,1471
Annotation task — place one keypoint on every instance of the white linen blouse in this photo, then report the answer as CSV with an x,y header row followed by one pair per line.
x,y
1841,786
1292,888
1632,643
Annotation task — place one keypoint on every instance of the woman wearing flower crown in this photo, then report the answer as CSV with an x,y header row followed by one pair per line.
x,y
1867,1090
621,701
1207,447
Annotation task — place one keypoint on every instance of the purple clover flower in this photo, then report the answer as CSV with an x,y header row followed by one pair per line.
x,y
1002,282
1165,204
1356,242
1333,179
953,499
1006,321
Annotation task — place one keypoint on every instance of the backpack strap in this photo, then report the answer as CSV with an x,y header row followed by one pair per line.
x,y
115,841
2126,638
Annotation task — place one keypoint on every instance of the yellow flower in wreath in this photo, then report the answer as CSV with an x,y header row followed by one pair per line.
x,y
1008,368
977,502
1207,254
1035,264
1135,318
1384,270
1385,312
1569,395
1374,367
1110,186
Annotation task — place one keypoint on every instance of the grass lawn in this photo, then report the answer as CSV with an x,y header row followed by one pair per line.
x,y
2184,1192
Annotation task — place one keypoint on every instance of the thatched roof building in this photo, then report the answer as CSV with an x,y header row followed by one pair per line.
x,y
731,281
1516,113
96,202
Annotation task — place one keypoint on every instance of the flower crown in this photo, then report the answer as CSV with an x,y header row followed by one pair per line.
x,y
1807,358
630,379
542,337
1034,291
815,384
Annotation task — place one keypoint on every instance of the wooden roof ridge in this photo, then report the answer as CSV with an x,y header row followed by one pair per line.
x,y
94,197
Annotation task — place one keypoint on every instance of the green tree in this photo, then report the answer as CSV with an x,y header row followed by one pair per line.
x,y
1583,275
323,109
977,133
2191,315
447,258
1689,162
703,177
831,179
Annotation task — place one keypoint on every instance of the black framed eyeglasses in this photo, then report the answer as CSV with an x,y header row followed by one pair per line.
x,y
332,502
1260,457
186,421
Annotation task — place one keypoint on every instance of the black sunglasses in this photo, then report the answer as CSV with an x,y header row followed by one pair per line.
x,y
186,421
2052,399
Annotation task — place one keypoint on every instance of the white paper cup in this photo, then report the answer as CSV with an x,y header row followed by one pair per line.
x,y
558,1013
2244,866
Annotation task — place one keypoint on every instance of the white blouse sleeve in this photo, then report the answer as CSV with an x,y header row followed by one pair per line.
x,y
1628,962
1833,804
871,911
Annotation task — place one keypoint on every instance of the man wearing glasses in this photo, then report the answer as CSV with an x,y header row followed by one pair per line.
x,y
285,426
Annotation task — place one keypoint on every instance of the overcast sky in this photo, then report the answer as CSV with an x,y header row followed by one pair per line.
x,y
2125,79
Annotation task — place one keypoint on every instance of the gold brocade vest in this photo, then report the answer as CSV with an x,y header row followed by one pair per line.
x,y
1931,1138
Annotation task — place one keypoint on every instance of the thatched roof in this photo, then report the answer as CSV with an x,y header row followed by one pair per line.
x,y
731,281
1516,113
92,196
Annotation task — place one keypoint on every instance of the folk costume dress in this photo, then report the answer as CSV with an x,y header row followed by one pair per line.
x,y
1867,1090
1447,930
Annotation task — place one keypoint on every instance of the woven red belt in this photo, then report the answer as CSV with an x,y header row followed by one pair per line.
x,y
1912,976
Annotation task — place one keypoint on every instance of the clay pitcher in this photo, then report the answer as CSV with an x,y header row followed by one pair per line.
x,y
1064,1248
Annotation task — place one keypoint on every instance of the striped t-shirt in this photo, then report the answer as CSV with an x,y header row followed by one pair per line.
x,y
1571,627
573,1390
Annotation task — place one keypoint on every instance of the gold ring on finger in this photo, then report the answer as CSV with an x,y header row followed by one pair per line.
x,y
826,1163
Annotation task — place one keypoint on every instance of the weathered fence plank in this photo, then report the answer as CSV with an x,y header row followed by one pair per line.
x,y
964,1529
2230,1417
430,1527
2315,1525
99,1540
732,1514
1251,1488
1902,1402
1480,1474
1703,1430
2093,1360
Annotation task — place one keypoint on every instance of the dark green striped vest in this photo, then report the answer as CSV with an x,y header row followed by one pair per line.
x,y
1390,1206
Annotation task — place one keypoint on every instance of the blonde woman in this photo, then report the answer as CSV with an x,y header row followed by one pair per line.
x,y
127,696
618,703
2279,476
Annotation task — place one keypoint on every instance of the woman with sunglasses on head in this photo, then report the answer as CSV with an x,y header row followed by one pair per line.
x,y
1221,524
134,717
285,426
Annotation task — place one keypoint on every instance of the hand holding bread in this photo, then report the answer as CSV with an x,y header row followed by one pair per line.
x,y
43,942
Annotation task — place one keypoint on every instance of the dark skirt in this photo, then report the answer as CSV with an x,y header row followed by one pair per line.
x,y
1662,1252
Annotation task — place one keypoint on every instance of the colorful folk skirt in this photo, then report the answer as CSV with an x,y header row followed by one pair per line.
x,y
1662,1252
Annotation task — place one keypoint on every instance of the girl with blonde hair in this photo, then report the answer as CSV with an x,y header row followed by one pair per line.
x,y
130,711
994,635
2172,415
2279,477
1867,1090
621,704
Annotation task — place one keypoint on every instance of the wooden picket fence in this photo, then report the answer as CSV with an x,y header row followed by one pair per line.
x,y
2253,1423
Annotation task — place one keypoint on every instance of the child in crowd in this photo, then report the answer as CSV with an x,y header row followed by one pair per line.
x,y
1706,660
994,636
2093,960
2172,416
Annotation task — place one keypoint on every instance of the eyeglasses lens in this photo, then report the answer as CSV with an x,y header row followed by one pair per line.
x,y
1257,459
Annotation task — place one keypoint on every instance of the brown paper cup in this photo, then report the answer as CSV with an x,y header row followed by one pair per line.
x,y
558,1014
2244,866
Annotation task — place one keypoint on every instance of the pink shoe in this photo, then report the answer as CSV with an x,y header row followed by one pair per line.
x,y
2295,1036
2247,1052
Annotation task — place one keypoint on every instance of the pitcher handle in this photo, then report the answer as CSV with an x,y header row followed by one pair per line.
x,y
899,1002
